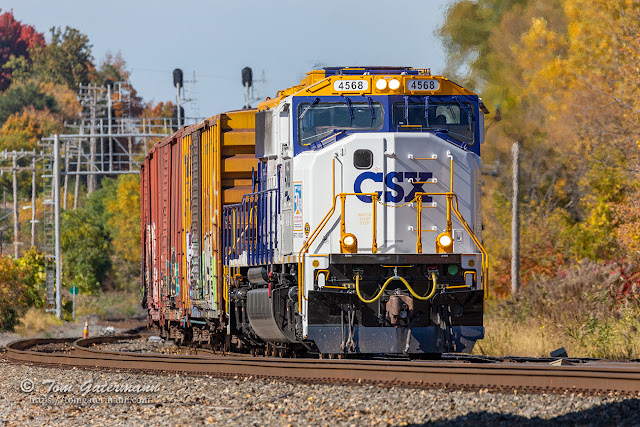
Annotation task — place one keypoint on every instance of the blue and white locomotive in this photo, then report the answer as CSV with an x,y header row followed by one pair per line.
x,y
373,243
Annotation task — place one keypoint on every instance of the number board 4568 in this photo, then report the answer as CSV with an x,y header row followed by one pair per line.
x,y
350,85
417,85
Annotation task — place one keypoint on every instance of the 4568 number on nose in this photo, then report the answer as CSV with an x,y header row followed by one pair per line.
x,y
350,85
423,85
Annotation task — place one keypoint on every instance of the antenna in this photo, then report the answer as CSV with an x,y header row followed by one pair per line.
x,y
191,97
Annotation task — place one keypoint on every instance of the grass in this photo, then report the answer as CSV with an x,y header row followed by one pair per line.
x,y
589,309
35,322
113,305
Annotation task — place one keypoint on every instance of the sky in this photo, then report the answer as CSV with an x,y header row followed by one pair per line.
x,y
279,39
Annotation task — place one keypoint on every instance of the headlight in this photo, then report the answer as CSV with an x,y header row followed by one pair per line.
x,y
381,84
444,240
349,240
394,84
349,244
444,243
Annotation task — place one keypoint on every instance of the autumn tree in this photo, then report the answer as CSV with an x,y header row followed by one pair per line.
x,y
16,41
123,206
561,74
113,69
23,130
19,96
21,286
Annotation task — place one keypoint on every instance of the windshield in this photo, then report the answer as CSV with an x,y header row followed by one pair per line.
x,y
317,120
455,118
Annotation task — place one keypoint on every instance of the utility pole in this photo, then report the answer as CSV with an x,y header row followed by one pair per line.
x,y
100,131
130,147
56,213
14,172
77,177
109,126
91,179
66,176
33,199
515,221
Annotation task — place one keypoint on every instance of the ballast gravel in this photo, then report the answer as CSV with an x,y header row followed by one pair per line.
x,y
33,395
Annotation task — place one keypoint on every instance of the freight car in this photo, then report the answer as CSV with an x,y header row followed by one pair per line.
x,y
341,217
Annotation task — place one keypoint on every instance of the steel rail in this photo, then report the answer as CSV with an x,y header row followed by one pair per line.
x,y
603,377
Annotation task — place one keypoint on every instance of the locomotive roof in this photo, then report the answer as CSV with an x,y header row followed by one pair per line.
x,y
319,83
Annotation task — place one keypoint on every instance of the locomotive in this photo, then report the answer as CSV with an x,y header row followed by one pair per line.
x,y
341,217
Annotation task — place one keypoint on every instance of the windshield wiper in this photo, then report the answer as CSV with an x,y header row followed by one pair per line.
x,y
426,111
304,112
348,102
406,109
373,116
464,107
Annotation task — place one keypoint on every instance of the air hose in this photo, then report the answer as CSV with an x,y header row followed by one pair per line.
x,y
396,277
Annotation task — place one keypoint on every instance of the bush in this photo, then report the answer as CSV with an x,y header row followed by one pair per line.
x,y
114,305
35,321
591,309
21,286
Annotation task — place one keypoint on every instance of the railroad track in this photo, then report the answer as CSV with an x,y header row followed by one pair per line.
x,y
596,376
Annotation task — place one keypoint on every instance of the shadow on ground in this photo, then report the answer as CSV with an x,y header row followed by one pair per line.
x,y
624,413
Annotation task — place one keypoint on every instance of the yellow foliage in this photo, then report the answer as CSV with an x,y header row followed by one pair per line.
x,y
35,321
66,99
124,217
24,130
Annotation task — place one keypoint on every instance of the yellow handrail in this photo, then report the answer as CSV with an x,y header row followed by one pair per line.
x,y
451,207
485,256
321,225
306,245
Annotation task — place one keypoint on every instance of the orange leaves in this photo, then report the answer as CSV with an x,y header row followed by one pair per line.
x,y
628,215
23,130
66,99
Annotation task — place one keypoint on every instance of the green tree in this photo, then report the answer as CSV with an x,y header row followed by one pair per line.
x,y
86,244
66,60
19,96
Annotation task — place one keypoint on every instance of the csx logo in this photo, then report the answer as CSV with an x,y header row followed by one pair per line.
x,y
396,192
